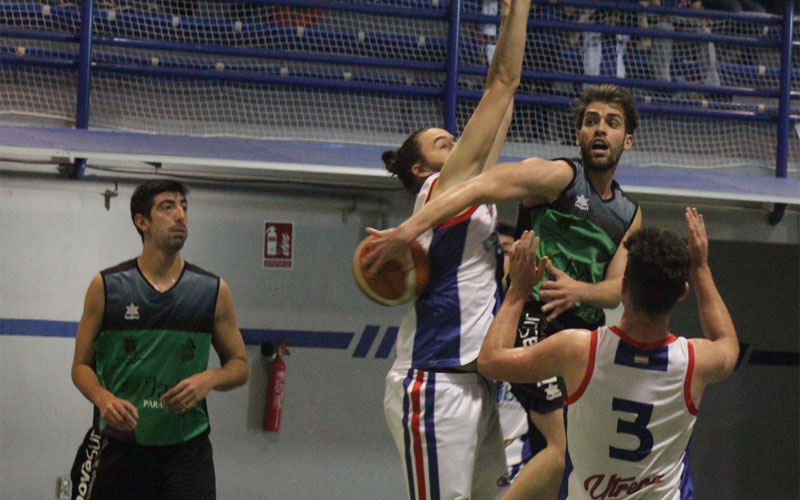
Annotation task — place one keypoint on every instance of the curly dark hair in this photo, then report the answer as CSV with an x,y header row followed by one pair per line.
x,y
657,269
610,94
144,195
400,162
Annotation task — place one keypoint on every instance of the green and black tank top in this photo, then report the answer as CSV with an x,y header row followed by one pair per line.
x,y
580,232
150,340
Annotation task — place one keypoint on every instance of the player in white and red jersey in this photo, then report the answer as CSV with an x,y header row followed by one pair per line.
x,y
633,390
440,411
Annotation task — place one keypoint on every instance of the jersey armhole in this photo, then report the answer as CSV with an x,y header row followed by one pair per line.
x,y
571,183
687,384
572,398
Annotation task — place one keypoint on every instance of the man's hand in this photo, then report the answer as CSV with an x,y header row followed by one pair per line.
x,y
504,10
698,239
389,244
187,393
523,269
118,413
560,295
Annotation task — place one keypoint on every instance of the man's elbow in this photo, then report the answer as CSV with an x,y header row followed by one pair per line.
x,y
244,373
76,374
236,373
487,366
731,356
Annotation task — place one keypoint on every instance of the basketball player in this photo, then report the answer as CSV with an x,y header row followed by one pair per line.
x,y
582,217
440,411
633,390
141,356
513,418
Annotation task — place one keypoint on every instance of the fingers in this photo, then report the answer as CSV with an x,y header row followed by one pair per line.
x,y
179,398
556,307
120,414
525,240
130,414
553,270
695,224
535,245
541,267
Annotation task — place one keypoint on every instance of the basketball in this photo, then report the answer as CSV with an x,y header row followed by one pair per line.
x,y
393,284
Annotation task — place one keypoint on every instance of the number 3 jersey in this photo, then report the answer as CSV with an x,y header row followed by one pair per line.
x,y
149,341
629,422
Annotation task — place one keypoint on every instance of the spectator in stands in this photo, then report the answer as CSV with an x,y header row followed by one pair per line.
x,y
662,48
487,32
599,57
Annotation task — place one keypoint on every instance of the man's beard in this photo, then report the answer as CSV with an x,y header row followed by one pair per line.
x,y
600,164
175,244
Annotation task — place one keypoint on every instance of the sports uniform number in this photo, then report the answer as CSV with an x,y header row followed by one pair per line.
x,y
637,428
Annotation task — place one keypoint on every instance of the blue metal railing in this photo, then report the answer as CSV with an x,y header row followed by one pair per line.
x,y
441,55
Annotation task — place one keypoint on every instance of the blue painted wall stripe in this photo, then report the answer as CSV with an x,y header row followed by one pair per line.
x,y
389,338
297,338
366,341
774,358
38,327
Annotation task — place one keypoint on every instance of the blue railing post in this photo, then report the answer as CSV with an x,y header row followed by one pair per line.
x,y
84,75
450,102
782,156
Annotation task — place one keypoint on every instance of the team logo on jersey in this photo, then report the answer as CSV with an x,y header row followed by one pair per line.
x,y
581,202
187,350
617,487
130,345
552,391
132,312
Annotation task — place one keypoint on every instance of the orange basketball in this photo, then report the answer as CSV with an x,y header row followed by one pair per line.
x,y
392,285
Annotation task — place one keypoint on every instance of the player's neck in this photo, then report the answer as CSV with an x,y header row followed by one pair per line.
x,y
161,268
601,181
644,328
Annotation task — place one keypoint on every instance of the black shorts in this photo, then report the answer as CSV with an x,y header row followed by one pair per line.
x,y
108,469
547,395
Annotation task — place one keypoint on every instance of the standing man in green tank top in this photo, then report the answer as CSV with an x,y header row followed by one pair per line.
x,y
141,357
580,217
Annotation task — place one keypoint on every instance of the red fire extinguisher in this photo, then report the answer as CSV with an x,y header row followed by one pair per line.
x,y
275,380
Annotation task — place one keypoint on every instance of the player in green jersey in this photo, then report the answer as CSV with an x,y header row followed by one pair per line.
x,y
141,357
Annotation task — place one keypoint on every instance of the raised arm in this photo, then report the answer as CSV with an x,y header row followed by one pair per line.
x,y
565,353
118,413
561,293
227,341
716,355
485,132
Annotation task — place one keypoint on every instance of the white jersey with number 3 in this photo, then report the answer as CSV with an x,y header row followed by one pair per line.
x,y
629,422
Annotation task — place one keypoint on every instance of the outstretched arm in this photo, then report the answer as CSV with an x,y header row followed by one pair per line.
x,y
491,75
227,341
533,180
561,293
486,130
716,355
